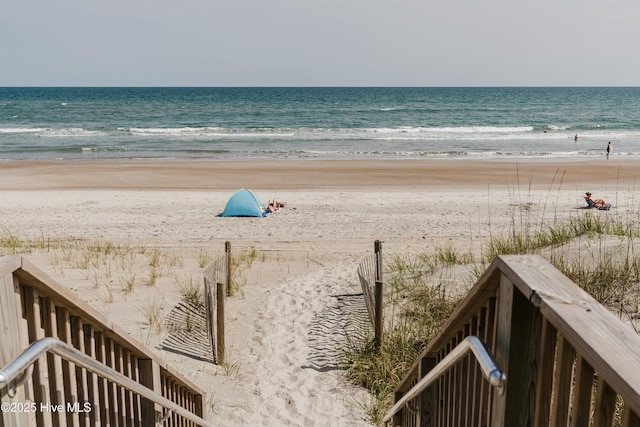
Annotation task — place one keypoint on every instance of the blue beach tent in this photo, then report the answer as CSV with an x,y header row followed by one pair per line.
x,y
244,203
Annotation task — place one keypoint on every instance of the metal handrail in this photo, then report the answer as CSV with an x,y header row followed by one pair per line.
x,y
490,370
14,371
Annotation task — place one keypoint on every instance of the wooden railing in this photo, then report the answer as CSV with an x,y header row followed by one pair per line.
x,y
33,306
568,360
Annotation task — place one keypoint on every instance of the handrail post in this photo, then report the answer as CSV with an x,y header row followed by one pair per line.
x,y
378,296
10,348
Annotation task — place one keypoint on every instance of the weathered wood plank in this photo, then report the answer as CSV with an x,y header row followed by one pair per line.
x,y
9,264
10,330
103,385
114,407
150,378
629,418
605,405
523,362
135,375
54,363
82,381
92,379
427,402
446,409
35,332
128,372
122,405
562,388
581,410
68,368
545,374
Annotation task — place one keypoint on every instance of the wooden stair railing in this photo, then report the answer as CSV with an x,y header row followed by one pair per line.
x,y
568,360
17,372
33,306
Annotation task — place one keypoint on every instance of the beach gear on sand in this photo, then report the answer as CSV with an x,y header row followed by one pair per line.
x,y
244,203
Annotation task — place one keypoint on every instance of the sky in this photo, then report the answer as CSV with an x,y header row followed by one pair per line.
x,y
320,43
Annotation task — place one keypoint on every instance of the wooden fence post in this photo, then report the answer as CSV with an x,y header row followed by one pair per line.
x,y
221,293
227,251
210,297
220,323
378,295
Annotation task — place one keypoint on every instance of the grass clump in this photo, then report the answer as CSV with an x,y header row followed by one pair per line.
x,y
191,291
204,258
239,264
152,312
11,244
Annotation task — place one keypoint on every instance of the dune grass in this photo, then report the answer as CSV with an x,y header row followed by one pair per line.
x,y
117,271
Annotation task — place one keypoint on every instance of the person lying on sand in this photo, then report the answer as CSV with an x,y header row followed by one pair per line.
x,y
597,203
274,205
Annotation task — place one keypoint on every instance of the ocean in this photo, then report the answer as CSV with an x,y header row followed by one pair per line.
x,y
163,123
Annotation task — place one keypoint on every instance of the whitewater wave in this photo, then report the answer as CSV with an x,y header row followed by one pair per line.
x,y
21,130
404,142
314,133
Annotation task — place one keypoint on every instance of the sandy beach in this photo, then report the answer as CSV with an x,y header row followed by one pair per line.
x,y
304,256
